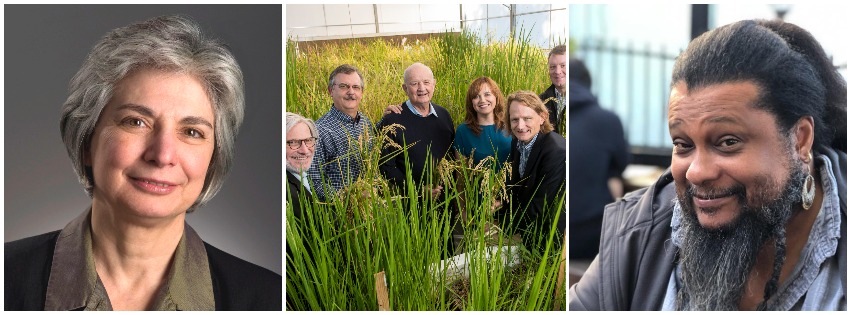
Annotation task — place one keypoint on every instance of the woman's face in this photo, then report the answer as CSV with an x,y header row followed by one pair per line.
x,y
484,102
152,145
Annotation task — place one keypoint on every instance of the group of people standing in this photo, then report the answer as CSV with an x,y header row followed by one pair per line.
x,y
520,129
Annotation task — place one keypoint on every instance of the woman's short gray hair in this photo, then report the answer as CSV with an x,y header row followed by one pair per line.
x,y
294,119
170,43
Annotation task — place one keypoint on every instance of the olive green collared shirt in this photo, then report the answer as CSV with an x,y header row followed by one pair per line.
x,y
75,285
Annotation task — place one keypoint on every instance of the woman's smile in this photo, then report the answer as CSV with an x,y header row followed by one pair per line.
x,y
152,146
154,186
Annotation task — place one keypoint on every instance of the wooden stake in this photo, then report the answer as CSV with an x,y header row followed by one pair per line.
x,y
381,292
559,297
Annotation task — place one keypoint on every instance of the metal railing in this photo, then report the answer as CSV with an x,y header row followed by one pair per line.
x,y
633,80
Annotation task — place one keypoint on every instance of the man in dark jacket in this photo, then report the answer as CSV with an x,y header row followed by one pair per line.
x,y
554,96
752,213
536,185
598,156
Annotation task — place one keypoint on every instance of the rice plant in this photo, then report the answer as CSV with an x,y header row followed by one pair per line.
x,y
455,58
336,247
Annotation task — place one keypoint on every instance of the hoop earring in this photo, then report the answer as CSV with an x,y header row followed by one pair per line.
x,y
808,193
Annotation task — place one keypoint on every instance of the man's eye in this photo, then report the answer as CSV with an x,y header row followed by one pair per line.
x,y
681,147
729,142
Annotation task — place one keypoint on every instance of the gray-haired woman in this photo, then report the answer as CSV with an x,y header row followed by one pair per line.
x,y
149,126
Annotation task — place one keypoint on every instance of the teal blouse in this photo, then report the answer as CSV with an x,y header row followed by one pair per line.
x,y
490,142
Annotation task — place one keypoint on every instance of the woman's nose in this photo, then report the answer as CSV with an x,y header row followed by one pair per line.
x,y
162,148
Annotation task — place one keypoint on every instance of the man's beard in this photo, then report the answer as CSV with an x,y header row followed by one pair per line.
x,y
715,263
293,168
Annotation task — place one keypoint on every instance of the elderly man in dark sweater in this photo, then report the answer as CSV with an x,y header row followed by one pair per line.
x,y
428,130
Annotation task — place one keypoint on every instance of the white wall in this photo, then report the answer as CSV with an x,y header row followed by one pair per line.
x,y
544,23
322,20
658,24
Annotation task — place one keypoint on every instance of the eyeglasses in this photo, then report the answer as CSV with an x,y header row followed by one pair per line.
x,y
345,87
295,144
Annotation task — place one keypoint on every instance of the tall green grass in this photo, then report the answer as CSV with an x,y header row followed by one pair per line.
x,y
455,58
371,227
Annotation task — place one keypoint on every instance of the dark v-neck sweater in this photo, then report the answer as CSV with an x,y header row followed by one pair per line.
x,y
432,136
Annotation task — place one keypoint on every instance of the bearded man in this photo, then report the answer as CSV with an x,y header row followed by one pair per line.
x,y
752,213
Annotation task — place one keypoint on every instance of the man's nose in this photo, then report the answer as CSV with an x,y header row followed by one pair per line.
x,y
702,169
303,148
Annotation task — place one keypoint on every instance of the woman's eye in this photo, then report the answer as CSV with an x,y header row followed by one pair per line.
x,y
134,122
194,133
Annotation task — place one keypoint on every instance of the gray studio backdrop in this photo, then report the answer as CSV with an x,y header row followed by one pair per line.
x,y
45,46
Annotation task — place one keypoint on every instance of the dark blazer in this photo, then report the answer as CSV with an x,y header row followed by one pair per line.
x,y
555,119
237,284
294,190
543,182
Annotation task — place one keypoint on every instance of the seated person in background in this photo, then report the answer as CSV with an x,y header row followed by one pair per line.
x,y
598,156
483,132
538,158
752,213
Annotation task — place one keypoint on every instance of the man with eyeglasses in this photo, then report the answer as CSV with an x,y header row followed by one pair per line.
x,y
301,142
343,131
429,131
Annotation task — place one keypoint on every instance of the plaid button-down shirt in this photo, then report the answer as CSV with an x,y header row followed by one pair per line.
x,y
336,157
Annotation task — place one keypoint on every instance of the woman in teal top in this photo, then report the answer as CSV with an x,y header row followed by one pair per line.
x,y
483,132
